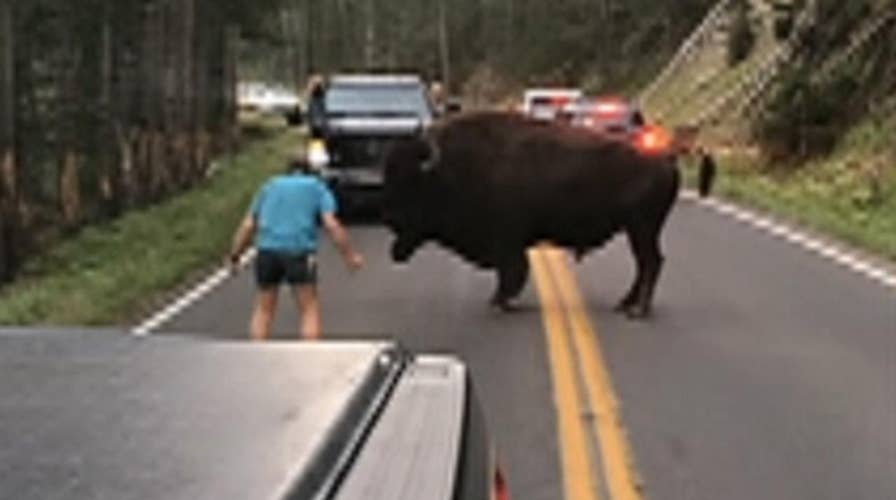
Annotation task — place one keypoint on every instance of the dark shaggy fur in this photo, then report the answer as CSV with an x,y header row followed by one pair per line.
x,y
490,185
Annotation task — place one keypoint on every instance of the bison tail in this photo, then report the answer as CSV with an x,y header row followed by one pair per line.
x,y
707,175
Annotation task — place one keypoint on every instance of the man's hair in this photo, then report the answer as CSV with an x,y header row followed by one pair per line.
x,y
299,165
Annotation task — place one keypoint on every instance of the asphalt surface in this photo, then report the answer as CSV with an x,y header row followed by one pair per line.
x,y
767,372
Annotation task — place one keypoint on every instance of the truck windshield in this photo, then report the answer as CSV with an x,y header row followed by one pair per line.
x,y
378,100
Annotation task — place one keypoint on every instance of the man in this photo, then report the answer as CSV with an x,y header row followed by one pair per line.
x,y
284,220
707,172
317,112
437,97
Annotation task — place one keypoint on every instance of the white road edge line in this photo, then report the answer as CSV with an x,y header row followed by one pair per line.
x,y
796,237
189,298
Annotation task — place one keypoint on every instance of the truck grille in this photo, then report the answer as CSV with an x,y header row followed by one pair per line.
x,y
352,152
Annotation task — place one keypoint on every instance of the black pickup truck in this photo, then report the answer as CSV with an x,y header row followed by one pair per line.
x,y
363,113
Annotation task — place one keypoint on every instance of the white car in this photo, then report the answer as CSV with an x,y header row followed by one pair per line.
x,y
545,104
268,99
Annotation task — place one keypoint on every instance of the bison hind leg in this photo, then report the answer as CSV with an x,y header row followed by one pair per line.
x,y
644,240
513,272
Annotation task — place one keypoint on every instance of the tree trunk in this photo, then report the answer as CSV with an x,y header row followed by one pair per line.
x,y
370,37
70,187
341,29
230,119
297,59
71,134
444,51
109,174
174,95
126,85
201,143
510,27
149,175
166,169
9,219
187,133
309,36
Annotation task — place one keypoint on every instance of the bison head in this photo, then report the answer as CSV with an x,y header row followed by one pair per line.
x,y
409,166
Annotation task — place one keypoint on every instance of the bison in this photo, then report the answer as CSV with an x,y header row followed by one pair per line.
x,y
490,185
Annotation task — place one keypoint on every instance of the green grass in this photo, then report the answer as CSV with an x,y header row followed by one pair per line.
x,y
835,196
111,272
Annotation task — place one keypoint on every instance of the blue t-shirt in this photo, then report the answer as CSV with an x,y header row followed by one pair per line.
x,y
288,209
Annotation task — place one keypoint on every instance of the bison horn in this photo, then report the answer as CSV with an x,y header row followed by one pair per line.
x,y
435,154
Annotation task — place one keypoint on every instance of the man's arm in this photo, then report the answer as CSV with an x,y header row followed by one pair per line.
x,y
340,237
243,238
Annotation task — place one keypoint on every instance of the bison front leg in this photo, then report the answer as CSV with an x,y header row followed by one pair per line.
x,y
513,272
632,295
404,247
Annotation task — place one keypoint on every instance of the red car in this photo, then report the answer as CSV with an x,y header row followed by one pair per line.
x,y
618,119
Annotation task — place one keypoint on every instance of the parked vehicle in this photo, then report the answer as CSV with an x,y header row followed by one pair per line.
x,y
620,120
362,115
183,419
545,104
610,116
273,100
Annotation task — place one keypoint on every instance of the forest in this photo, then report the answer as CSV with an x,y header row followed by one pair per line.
x,y
112,105
596,43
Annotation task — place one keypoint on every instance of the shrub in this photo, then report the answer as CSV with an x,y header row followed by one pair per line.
x,y
741,37
803,119
486,86
784,14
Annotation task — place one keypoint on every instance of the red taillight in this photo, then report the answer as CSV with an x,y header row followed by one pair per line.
x,y
560,101
609,108
653,139
501,490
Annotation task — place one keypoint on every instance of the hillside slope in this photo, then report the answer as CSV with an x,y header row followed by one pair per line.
x,y
805,120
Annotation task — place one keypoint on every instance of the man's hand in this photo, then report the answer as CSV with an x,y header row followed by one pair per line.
x,y
337,232
354,261
233,263
241,241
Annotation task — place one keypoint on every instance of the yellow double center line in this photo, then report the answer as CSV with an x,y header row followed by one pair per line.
x,y
594,450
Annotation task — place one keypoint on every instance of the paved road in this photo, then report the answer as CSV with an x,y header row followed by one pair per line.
x,y
766,373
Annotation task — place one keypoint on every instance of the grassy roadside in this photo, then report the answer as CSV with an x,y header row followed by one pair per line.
x,y
850,195
108,272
